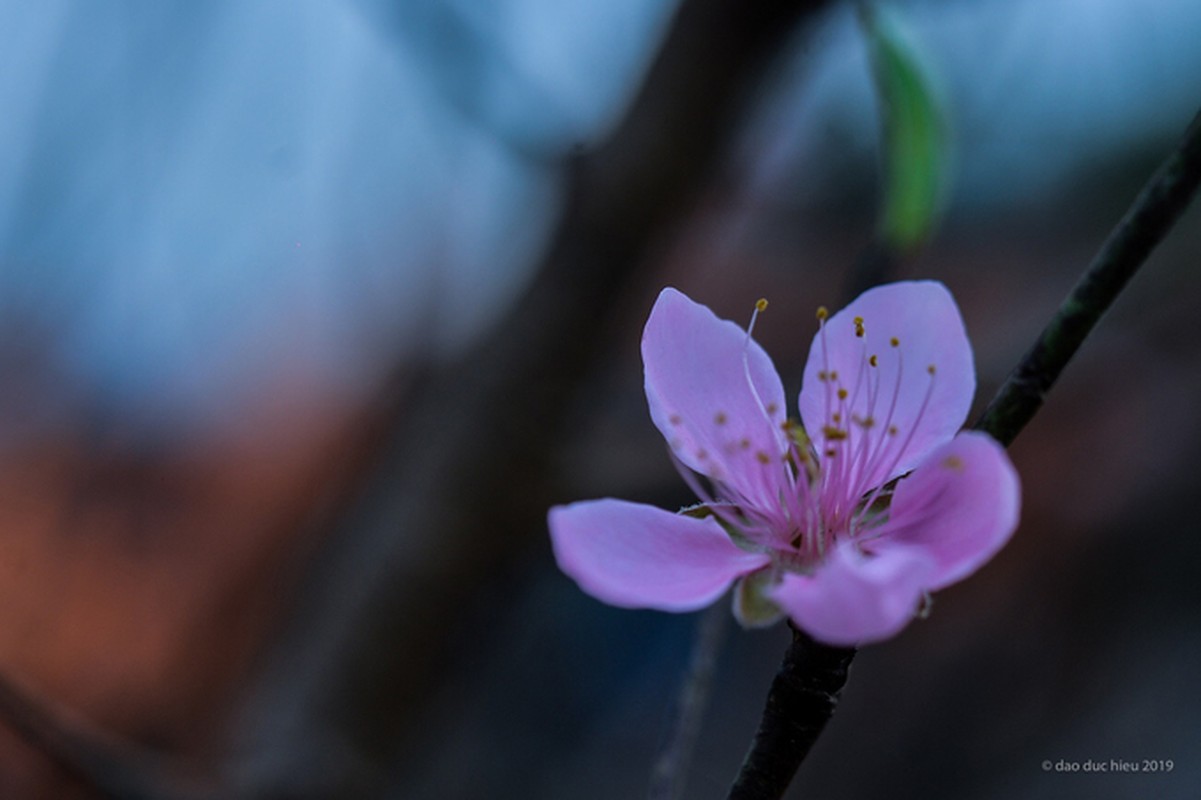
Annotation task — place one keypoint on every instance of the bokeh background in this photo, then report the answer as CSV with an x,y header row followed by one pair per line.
x,y
309,310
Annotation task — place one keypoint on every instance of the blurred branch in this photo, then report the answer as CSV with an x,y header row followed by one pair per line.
x,y
467,474
1156,209
877,263
805,691
671,767
108,768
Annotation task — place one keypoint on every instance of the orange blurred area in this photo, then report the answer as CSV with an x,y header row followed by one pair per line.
x,y
136,585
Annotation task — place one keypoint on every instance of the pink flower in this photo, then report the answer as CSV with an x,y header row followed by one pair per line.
x,y
810,518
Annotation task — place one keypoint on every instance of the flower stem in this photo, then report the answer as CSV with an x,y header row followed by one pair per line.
x,y
801,700
805,690
1156,209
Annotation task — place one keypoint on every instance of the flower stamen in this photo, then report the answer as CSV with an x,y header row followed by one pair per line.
x,y
931,370
766,410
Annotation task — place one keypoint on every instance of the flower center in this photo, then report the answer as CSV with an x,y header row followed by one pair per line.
x,y
831,483
863,437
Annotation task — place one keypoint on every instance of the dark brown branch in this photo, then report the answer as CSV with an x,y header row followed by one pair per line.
x,y
107,767
468,473
801,700
1156,209
809,667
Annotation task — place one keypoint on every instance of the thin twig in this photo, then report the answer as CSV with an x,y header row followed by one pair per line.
x,y
671,767
1156,209
108,767
792,719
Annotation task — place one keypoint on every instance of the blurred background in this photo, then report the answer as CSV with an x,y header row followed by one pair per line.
x,y
309,311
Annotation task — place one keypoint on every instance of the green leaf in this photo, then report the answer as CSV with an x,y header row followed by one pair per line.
x,y
915,141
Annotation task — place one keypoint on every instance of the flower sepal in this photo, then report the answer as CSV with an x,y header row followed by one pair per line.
x,y
753,606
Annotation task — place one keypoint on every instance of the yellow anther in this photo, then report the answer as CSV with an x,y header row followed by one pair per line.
x,y
831,452
858,321
771,408
865,422
834,434
822,313
875,362
931,369
836,417
719,418
823,375
892,430
842,394
895,342
954,463
744,444
762,457
761,304
834,375
799,437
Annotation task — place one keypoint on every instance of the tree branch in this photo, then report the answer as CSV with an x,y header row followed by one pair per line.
x,y
805,690
1156,209
801,700
110,768
360,650
670,774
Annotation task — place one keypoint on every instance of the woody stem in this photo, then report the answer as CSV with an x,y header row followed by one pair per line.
x,y
805,690
1158,206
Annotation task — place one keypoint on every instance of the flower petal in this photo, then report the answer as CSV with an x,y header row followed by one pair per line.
x,y
715,396
854,598
960,505
639,556
895,409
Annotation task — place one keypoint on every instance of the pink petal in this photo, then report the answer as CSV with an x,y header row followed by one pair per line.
x,y
960,505
853,598
701,397
899,392
639,556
